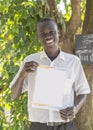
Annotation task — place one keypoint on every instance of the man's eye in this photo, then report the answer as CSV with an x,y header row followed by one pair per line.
x,y
45,34
52,32
42,34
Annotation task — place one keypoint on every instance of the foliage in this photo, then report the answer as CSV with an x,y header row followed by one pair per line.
x,y
18,38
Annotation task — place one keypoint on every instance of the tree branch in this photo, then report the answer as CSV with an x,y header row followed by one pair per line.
x,y
75,20
88,21
53,9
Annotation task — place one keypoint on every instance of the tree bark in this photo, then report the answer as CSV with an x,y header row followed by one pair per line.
x,y
75,19
88,21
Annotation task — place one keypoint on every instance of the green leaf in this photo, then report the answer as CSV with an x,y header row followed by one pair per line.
x,y
16,39
1,127
1,109
8,99
40,14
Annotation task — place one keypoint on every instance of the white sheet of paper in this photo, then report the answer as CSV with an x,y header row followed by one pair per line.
x,y
49,88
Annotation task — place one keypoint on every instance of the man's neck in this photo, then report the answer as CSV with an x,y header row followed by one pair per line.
x,y
52,52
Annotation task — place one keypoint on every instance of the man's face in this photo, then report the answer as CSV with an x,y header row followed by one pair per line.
x,y
48,34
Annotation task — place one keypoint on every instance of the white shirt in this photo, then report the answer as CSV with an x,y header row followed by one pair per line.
x,y
64,61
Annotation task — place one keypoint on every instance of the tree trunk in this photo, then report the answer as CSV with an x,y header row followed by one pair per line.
x,y
88,114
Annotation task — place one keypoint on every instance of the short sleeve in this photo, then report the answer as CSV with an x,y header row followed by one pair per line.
x,y
24,89
81,85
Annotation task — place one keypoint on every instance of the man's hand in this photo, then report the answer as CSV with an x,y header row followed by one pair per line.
x,y
17,87
29,67
67,114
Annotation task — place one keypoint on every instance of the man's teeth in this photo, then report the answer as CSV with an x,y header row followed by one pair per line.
x,y
49,41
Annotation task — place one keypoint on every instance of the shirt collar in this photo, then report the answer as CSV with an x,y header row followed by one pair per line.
x,y
44,55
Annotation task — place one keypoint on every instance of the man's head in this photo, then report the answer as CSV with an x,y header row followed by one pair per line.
x,y
48,33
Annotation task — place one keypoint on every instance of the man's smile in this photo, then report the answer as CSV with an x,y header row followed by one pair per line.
x,y
49,40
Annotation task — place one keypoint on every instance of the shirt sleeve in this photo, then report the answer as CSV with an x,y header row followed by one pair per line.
x,y
25,84
81,85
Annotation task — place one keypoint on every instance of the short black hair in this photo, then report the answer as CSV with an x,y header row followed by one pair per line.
x,y
47,19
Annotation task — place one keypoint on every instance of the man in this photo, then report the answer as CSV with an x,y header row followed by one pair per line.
x,y
52,56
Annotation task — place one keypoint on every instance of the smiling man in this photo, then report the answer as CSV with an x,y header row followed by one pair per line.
x,y
76,81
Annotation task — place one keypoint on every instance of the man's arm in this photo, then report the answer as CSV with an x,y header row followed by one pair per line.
x,y
70,112
80,99
16,89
